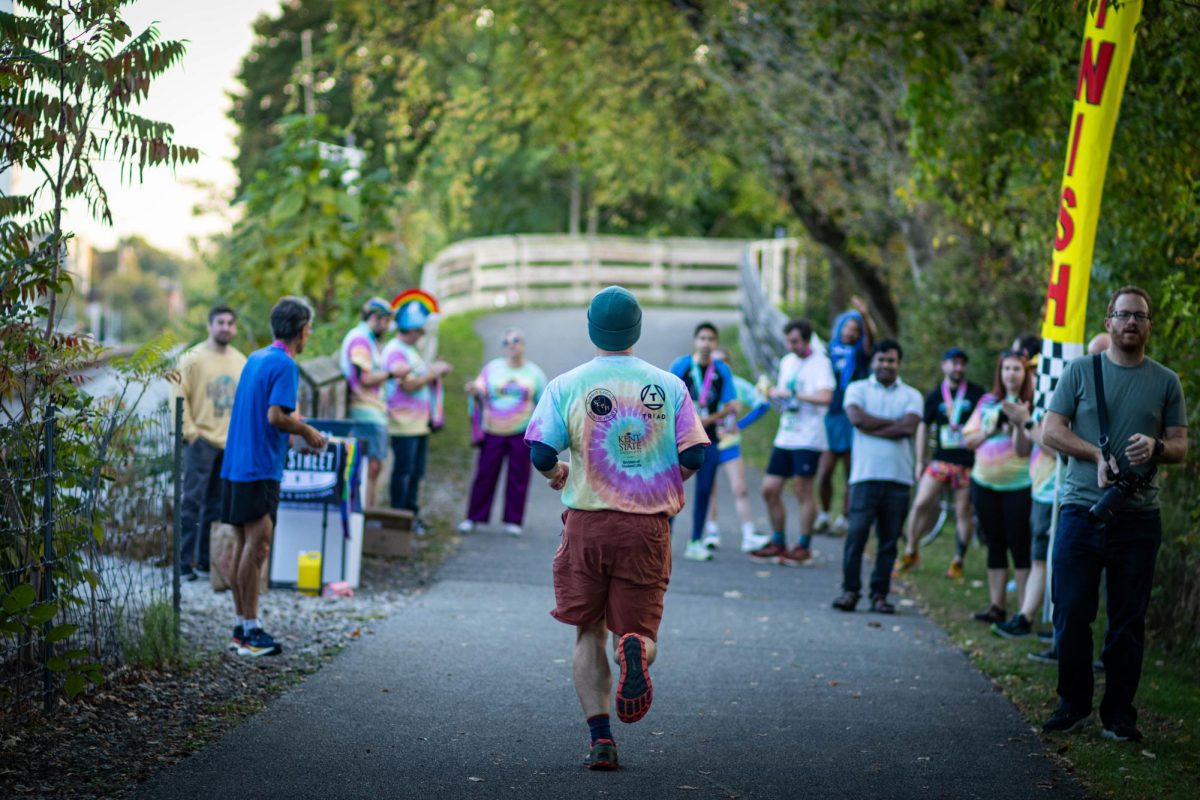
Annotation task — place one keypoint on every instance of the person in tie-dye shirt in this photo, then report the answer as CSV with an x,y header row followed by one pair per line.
x,y
507,389
410,405
634,437
1000,479
1043,472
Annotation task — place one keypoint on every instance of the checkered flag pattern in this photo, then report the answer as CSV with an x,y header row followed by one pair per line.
x,y
1055,356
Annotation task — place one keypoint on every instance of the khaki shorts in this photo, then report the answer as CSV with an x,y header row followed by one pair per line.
x,y
612,567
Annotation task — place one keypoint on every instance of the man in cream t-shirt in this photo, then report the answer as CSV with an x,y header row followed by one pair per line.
x,y
208,379
803,391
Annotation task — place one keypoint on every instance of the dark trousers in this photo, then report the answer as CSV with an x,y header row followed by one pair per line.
x,y
883,504
1004,521
492,453
1126,549
201,503
408,467
705,481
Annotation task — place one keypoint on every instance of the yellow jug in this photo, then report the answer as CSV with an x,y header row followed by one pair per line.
x,y
308,579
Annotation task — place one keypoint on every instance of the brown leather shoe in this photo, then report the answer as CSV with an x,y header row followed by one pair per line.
x,y
847,602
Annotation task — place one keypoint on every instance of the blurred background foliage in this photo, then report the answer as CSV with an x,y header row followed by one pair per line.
x,y
916,145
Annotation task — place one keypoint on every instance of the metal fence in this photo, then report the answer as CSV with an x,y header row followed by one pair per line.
x,y
87,539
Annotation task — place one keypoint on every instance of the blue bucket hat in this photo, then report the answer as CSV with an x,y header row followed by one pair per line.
x,y
614,319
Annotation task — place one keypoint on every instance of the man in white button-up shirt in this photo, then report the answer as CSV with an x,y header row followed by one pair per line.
x,y
885,411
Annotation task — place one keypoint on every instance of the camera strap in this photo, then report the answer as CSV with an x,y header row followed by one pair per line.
x,y
1101,404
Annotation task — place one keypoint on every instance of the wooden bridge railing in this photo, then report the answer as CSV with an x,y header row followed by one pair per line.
x,y
558,269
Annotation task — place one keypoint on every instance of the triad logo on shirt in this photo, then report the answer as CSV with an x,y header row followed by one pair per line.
x,y
653,396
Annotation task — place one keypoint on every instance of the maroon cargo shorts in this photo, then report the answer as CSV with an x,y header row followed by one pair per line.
x,y
612,567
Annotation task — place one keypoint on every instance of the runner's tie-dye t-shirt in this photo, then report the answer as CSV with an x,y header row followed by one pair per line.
x,y
510,395
625,422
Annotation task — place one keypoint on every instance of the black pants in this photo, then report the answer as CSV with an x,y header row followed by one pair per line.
x,y
201,503
883,504
1004,522
1126,550
408,467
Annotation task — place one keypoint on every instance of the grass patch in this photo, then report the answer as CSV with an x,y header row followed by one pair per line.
x,y
158,643
1165,766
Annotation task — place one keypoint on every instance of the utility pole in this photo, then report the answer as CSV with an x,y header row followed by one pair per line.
x,y
307,78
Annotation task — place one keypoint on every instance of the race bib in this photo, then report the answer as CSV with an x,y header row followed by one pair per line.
x,y
950,439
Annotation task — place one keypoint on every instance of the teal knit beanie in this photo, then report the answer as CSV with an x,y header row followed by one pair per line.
x,y
614,319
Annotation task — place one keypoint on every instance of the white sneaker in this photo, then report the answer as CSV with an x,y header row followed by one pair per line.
x,y
466,526
840,525
712,540
822,523
711,528
513,530
696,551
754,541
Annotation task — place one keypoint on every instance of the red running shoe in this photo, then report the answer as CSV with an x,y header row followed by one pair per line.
x,y
602,756
796,557
634,691
771,552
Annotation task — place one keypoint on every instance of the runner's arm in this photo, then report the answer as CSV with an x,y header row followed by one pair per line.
x,y
922,446
691,459
754,415
283,420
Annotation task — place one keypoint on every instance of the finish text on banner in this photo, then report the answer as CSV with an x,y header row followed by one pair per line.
x,y
1103,66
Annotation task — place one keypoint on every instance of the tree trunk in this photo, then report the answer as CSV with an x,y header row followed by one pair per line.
x,y
826,232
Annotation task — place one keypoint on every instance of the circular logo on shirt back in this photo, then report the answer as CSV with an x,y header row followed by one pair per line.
x,y
601,405
653,396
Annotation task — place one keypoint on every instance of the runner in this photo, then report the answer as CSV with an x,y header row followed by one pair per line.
x,y
634,437
507,389
362,365
256,448
805,389
710,384
947,409
729,449
849,351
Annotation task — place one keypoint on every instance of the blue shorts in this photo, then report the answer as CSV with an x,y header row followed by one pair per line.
x,y
839,431
799,463
729,454
369,427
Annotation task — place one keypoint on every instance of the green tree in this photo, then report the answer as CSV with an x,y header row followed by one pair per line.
x,y
309,226
70,74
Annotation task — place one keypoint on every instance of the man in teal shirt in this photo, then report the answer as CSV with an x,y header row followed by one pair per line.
x,y
1147,426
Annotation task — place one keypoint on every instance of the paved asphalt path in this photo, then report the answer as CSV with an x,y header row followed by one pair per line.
x,y
761,689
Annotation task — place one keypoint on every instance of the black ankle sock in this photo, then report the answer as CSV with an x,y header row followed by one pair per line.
x,y
599,728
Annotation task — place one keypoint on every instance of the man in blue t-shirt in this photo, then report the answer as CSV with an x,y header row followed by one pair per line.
x,y
710,384
260,427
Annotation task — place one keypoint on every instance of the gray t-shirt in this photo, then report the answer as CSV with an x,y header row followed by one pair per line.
x,y
1145,399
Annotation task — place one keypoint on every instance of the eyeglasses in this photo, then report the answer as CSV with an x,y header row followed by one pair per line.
x,y
1123,316
505,342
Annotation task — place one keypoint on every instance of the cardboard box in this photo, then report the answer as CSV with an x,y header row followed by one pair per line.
x,y
387,532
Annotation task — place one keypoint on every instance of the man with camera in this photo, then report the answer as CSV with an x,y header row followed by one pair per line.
x,y
1116,416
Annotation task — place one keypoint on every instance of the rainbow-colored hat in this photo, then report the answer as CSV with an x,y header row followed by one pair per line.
x,y
413,308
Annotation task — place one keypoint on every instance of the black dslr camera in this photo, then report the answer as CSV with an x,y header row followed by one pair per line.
x,y
1126,483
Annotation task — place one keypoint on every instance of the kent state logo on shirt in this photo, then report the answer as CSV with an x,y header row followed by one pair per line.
x,y
629,442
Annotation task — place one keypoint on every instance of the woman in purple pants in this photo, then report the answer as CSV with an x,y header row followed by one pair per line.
x,y
507,390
